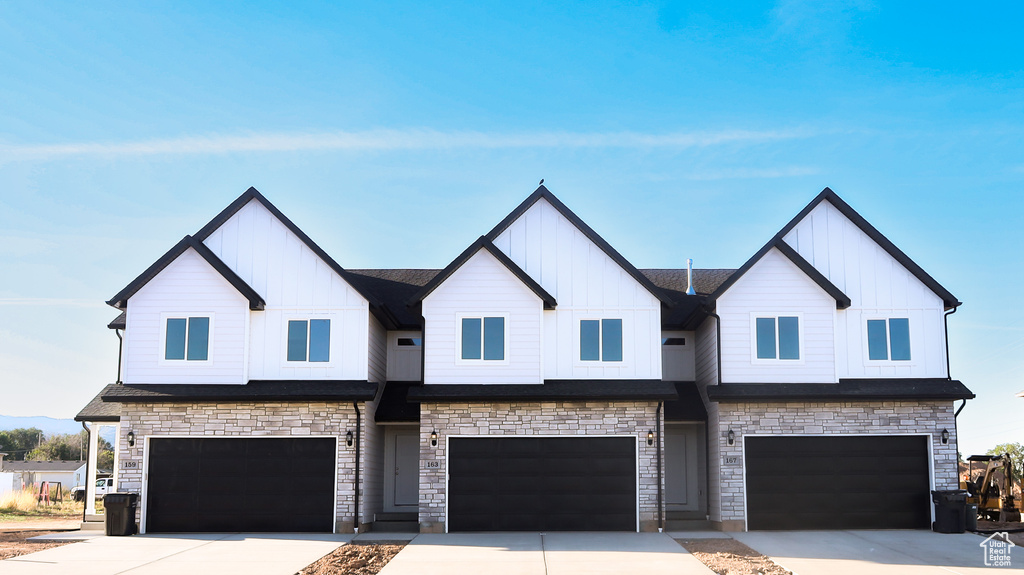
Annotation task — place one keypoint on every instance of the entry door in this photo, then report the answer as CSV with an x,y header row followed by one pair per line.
x,y
683,477
402,479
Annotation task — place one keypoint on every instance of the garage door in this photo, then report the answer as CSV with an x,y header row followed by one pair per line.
x,y
837,482
241,484
542,484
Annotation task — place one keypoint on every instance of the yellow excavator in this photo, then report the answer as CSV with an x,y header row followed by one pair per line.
x,y
991,489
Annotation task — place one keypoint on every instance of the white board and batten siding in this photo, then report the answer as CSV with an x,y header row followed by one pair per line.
x,y
879,287
587,284
482,286
187,287
296,284
774,286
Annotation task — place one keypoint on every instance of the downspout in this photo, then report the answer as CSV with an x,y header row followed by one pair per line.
x,y
355,523
120,350
945,326
718,340
657,427
85,484
963,402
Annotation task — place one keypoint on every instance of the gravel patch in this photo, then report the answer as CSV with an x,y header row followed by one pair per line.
x,y
356,559
730,557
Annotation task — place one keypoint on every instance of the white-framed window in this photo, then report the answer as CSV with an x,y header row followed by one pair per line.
x,y
776,337
482,338
888,339
186,337
309,340
601,340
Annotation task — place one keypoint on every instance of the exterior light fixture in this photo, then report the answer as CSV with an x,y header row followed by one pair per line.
x,y
650,437
945,436
732,437
433,438
131,439
348,439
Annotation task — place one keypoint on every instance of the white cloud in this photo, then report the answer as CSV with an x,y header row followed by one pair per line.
x,y
386,140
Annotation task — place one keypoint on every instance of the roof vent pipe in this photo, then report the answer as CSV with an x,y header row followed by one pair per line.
x,y
689,277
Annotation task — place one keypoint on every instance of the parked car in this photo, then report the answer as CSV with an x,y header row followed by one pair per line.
x,y
103,486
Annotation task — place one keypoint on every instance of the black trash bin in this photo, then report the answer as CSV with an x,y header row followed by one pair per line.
x,y
119,509
972,516
950,511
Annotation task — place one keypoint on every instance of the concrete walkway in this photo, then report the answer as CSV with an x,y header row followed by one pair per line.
x,y
544,554
221,553
876,552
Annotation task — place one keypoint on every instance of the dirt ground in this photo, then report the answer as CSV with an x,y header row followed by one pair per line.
x,y
355,559
1016,538
13,543
730,557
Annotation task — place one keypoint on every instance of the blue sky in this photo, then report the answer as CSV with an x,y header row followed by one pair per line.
x,y
396,133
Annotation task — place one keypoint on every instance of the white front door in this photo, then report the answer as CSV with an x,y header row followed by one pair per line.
x,y
683,476
402,477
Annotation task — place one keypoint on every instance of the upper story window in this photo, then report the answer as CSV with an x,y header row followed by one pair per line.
x,y
309,340
889,339
483,338
187,338
601,340
777,337
410,342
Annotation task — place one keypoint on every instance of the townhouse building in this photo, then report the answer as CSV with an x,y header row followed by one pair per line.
x,y
538,382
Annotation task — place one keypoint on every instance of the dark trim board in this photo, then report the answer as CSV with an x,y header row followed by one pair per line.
x,y
837,482
531,483
921,389
255,390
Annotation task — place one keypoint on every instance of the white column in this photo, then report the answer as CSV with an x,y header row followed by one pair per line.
x,y
90,480
117,456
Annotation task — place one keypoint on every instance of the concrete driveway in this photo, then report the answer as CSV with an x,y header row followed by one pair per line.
x,y
876,552
544,554
221,553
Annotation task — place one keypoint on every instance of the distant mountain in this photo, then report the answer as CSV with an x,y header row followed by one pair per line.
x,y
48,425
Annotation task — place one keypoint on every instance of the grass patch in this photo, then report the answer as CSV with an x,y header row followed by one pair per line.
x,y
26,504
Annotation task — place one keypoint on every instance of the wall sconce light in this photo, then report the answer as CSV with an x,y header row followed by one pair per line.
x,y
348,439
731,437
945,436
131,439
650,437
433,438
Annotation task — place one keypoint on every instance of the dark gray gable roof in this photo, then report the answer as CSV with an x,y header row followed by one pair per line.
x,y
543,192
689,312
41,466
99,410
842,300
484,243
845,390
119,322
550,390
121,299
394,288
948,299
255,390
254,194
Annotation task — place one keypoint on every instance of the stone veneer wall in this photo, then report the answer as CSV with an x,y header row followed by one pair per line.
x,y
241,420
875,417
532,418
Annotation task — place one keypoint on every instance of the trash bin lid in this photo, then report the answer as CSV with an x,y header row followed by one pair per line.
x,y
120,498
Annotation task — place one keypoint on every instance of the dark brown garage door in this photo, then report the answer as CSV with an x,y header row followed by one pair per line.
x,y
241,484
836,482
542,484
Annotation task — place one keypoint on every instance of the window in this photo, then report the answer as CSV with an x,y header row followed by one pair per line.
x,y
778,337
309,340
187,338
673,341
601,340
889,339
483,338
410,341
